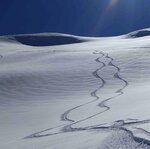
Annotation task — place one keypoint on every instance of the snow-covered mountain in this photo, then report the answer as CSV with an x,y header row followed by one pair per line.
x,y
62,91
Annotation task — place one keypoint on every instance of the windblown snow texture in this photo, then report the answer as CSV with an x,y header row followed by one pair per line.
x,y
62,91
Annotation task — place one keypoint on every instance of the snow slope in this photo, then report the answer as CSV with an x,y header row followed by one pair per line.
x,y
67,92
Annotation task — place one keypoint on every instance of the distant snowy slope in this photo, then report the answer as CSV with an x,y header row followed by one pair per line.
x,y
45,39
139,33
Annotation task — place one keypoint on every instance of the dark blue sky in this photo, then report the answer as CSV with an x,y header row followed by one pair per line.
x,y
79,17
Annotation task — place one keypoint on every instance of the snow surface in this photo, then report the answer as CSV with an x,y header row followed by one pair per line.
x,y
67,92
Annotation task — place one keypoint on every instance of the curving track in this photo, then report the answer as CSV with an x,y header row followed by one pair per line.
x,y
102,104
118,125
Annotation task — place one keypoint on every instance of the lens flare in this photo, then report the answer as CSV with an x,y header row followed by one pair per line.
x,y
111,4
103,16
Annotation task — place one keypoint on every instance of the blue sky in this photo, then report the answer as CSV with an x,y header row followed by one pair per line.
x,y
79,17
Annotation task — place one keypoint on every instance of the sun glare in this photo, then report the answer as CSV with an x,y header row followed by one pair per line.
x,y
112,3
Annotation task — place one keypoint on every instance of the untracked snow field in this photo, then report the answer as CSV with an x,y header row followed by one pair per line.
x,y
62,91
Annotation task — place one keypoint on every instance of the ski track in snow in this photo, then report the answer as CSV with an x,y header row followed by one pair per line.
x,y
64,116
117,126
